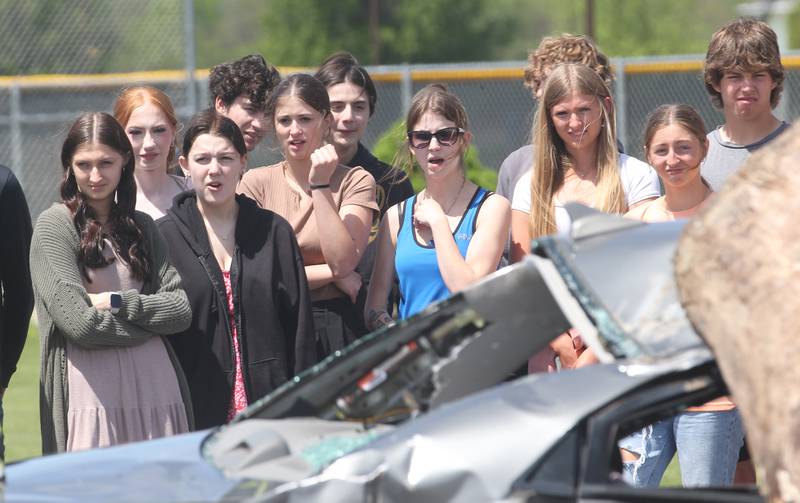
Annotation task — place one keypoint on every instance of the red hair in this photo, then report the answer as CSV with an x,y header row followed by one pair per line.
x,y
133,97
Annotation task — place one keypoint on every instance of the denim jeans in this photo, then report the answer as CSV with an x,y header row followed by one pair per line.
x,y
707,443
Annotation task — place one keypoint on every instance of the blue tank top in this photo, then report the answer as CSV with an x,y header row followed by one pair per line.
x,y
415,263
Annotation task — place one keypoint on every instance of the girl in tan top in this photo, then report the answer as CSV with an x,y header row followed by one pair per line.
x,y
707,438
150,123
329,206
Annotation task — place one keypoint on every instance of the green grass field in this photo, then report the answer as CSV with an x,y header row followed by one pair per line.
x,y
21,406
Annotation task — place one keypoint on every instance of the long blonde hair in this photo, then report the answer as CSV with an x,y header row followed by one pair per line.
x,y
551,160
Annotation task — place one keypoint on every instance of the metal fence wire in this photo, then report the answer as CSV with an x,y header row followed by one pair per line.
x,y
90,50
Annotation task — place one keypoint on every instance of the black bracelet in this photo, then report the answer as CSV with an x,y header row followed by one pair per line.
x,y
323,186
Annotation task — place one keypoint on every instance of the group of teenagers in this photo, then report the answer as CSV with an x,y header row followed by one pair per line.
x,y
169,297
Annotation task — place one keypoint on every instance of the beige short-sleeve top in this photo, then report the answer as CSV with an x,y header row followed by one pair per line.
x,y
270,188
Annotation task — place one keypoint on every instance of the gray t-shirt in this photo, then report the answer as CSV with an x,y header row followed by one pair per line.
x,y
724,158
513,167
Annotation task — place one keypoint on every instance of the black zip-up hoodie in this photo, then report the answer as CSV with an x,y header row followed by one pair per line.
x,y
272,306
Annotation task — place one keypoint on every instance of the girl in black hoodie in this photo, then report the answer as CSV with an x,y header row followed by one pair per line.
x,y
244,275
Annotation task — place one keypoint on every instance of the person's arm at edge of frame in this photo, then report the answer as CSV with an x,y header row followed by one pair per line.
x,y
17,304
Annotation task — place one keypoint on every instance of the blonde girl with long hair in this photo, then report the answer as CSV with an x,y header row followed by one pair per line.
x,y
575,160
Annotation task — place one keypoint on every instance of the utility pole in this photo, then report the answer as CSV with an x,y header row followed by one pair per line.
x,y
590,19
374,33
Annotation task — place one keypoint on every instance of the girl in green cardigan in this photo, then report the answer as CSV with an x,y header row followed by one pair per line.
x,y
105,297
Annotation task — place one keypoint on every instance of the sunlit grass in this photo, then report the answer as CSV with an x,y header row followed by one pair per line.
x,y
21,404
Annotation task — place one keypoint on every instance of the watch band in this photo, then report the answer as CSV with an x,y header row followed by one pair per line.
x,y
116,302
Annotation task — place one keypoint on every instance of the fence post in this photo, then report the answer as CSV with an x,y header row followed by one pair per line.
x,y
406,86
188,37
16,132
620,101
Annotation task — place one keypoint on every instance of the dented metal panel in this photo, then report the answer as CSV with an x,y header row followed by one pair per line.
x,y
470,450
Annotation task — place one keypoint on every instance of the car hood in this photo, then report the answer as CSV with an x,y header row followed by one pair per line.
x,y
169,469
257,455
451,454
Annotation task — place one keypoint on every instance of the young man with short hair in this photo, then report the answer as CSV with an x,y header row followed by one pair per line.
x,y
352,94
743,75
239,91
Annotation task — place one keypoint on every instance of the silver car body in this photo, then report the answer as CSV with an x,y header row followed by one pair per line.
x,y
330,434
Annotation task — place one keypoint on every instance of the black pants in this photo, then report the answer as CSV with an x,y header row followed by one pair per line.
x,y
337,323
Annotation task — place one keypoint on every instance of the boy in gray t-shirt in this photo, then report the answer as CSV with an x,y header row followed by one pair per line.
x,y
725,157
743,75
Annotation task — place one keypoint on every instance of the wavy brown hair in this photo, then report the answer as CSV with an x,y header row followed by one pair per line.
x,y
102,129
746,45
553,51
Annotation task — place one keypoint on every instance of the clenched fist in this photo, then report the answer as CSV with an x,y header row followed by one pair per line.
x,y
323,161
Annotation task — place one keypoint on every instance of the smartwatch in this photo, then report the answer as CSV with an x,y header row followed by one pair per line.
x,y
116,302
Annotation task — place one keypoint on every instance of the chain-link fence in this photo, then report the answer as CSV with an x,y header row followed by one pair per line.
x,y
91,39
59,58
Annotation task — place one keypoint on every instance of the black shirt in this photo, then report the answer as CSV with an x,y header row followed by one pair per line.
x,y
393,186
16,301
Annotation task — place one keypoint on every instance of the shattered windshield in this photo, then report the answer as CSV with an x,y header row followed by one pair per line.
x,y
625,283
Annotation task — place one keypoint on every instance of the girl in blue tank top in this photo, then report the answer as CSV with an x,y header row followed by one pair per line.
x,y
416,263
448,236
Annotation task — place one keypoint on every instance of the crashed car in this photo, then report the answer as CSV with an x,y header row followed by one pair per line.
x,y
413,412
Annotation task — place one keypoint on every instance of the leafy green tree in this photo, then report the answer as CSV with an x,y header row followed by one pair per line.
x,y
89,36
652,27
305,32
421,31
226,30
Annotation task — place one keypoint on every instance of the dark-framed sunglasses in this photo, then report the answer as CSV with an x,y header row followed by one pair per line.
x,y
445,137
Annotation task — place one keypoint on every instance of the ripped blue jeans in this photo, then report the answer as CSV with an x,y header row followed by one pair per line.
x,y
707,443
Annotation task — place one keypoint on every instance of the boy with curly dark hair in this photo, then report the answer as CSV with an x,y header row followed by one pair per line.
x,y
239,91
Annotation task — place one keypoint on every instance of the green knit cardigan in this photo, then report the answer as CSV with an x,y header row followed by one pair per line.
x,y
65,312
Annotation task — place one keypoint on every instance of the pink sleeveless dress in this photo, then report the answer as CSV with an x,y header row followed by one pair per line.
x,y
120,394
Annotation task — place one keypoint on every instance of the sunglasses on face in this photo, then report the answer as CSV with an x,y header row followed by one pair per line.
x,y
445,137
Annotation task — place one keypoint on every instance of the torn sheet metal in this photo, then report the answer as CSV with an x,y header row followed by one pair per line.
x,y
471,450
623,277
521,317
